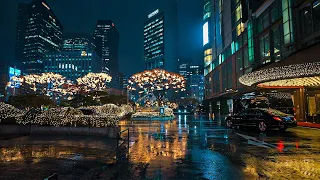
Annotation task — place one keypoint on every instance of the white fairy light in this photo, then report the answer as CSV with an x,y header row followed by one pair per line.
x,y
283,72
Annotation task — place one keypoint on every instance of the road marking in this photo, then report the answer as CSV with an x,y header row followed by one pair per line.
x,y
257,142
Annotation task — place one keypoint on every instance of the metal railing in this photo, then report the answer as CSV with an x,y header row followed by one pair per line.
x,y
124,140
122,151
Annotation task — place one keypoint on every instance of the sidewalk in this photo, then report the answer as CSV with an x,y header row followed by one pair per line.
x,y
308,124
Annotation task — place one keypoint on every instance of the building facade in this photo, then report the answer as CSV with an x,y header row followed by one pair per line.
x,y
160,39
72,64
193,75
38,32
22,19
272,53
154,40
106,39
226,55
78,42
195,82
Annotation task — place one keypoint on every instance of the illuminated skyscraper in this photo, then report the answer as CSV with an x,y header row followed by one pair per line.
x,y
106,39
160,39
154,40
38,32
78,42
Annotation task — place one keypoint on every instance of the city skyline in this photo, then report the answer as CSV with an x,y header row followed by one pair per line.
x,y
131,42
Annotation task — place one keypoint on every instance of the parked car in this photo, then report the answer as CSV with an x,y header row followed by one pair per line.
x,y
261,118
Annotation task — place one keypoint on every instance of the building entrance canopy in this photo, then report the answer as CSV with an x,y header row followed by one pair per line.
x,y
307,74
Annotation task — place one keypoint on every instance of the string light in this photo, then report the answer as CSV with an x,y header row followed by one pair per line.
x,y
168,112
156,80
283,72
104,116
94,81
57,87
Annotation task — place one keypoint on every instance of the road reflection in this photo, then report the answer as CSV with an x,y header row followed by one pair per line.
x,y
177,150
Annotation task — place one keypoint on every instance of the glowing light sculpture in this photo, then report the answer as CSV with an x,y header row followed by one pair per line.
x,y
94,81
157,82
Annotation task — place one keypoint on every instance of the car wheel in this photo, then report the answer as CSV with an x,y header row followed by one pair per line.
x,y
262,126
229,123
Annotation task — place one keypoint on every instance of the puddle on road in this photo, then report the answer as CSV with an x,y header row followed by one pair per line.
x,y
175,150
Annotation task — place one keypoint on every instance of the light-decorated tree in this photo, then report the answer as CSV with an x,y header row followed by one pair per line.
x,y
156,82
94,82
46,83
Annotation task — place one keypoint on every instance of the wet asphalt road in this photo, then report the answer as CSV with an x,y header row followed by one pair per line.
x,y
199,148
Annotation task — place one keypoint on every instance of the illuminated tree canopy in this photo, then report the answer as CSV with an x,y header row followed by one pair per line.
x,y
157,82
56,86
94,81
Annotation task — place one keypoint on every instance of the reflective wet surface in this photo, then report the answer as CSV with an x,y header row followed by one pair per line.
x,y
37,157
199,148
185,148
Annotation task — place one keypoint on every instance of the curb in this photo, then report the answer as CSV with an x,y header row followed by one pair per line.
x,y
307,124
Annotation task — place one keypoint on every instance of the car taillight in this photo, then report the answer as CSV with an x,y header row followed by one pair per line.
x,y
277,118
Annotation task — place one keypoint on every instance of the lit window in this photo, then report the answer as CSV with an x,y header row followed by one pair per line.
x,y
208,52
205,33
238,13
240,28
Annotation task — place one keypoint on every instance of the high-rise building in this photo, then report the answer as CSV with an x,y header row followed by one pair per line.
x,y
21,25
160,39
124,83
78,42
106,39
154,40
41,31
262,49
195,82
193,75
72,64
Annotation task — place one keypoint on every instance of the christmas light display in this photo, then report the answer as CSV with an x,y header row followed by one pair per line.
x,y
57,87
71,117
283,72
157,82
94,81
8,111
168,112
104,116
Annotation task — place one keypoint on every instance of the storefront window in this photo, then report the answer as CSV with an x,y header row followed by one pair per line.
x,y
264,49
275,12
265,19
276,40
306,21
316,15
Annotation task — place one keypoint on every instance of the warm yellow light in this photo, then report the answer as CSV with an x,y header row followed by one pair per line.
x,y
305,82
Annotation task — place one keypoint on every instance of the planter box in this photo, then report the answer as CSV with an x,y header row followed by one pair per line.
x,y
153,118
110,132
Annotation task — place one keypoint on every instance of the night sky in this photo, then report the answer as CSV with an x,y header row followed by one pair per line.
x,y
81,16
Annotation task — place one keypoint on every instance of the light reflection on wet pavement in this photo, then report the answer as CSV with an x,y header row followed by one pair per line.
x,y
37,157
185,148
198,148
